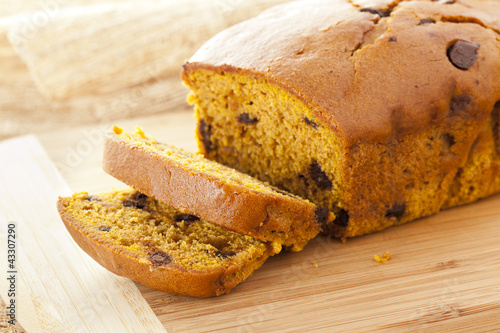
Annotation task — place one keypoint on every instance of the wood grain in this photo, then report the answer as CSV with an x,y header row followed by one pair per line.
x,y
444,274
59,287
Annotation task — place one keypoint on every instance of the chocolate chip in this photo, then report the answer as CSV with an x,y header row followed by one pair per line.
x,y
105,228
342,218
310,122
250,103
448,139
463,54
426,21
396,211
459,103
130,203
137,200
374,11
186,218
319,176
205,133
244,118
139,196
159,259
93,198
392,40
321,215
225,254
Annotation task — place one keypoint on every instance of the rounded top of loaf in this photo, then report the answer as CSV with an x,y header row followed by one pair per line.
x,y
371,70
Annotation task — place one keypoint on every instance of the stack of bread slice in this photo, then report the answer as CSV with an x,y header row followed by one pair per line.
x,y
188,226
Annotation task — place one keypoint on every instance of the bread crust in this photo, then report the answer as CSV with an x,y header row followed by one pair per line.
x,y
285,219
324,53
172,279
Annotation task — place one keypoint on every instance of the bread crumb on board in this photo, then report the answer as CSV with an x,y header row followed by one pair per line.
x,y
384,258
117,130
315,264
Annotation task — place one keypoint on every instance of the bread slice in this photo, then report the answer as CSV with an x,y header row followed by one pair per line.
x,y
195,185
154,244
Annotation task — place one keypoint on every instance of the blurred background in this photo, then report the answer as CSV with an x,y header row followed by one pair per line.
x,y
67,63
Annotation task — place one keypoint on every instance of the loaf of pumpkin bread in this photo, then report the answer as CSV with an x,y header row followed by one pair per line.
x,y
380,111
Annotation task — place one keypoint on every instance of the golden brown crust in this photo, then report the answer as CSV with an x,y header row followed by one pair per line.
x,y
285,219
319,51
171,279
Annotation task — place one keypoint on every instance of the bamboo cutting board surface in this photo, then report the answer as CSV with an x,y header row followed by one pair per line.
x,y
444,274
54,286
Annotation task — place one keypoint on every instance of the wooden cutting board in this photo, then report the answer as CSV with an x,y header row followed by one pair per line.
x,y
444,274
